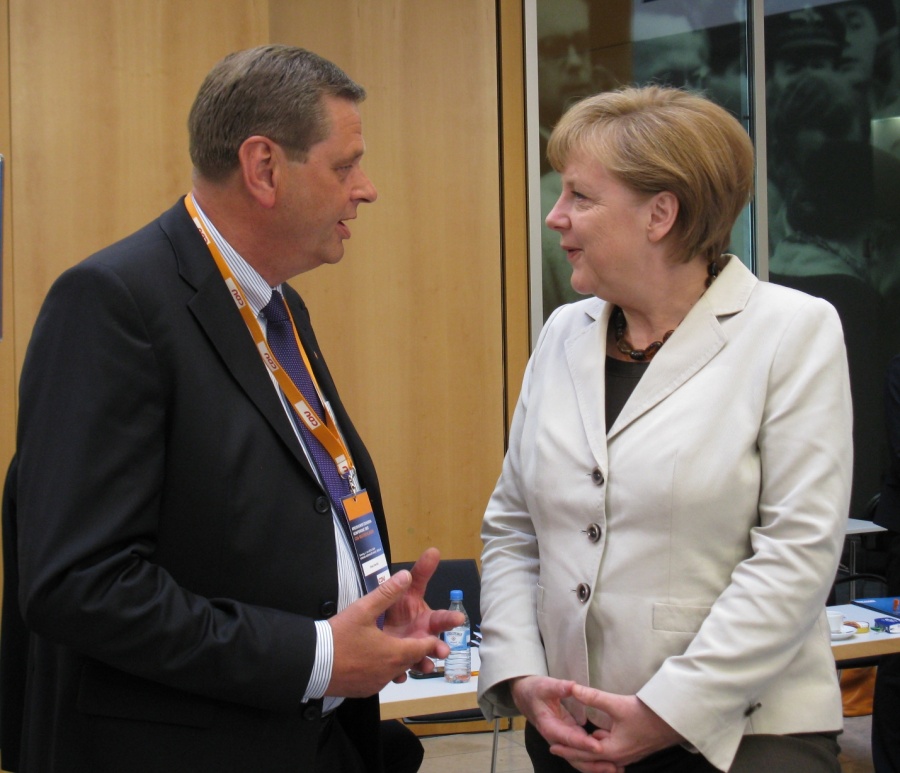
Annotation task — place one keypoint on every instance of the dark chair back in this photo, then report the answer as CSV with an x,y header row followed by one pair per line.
x,y
453,574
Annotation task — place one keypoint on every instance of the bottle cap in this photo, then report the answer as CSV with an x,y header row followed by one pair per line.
x,y
456,595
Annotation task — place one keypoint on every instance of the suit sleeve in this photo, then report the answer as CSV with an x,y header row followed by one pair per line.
x,y
92,447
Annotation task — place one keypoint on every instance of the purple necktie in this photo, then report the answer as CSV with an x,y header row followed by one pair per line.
x,y
280,335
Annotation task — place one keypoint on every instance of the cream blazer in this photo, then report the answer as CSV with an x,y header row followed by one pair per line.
x,y
685,553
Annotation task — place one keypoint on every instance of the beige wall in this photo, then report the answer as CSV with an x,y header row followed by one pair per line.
x,y
100,91
412,321
414,309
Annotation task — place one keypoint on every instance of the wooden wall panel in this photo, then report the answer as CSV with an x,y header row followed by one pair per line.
x,y
411,319
8,338
100,95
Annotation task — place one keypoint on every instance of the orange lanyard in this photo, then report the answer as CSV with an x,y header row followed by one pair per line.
x,y
324,431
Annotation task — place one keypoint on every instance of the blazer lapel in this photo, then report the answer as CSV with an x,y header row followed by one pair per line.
x,y
586,359
695,342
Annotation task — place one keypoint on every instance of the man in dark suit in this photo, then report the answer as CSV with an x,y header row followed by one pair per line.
x,y
194,596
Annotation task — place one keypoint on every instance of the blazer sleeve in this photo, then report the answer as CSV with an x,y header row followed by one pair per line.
x,y
774,605
511,644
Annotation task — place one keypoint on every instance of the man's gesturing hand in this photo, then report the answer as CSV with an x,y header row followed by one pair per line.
x,y
367,658
410,616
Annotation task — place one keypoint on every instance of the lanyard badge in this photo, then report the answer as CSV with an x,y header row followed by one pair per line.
x,y
366,540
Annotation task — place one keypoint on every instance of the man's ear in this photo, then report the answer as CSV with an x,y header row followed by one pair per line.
x,y
664,208
259,159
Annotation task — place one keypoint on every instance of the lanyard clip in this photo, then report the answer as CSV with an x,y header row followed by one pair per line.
x,y
347,473
352,480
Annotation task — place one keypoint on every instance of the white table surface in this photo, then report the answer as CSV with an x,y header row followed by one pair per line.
x,y
859,526
862,645
429,696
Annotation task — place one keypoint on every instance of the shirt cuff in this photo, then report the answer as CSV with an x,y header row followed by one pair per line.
x,y
321,672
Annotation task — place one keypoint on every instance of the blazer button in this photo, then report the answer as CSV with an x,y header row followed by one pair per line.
x,y
328,609
312,712
584,592
322,505
597,476
593,532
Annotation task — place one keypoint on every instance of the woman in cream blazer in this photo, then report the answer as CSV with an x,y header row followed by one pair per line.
x,y
676,559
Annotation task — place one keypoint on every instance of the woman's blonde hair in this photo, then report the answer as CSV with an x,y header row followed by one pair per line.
x,y
663,139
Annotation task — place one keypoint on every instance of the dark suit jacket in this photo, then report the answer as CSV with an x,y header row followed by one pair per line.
x,y
174,546
888,512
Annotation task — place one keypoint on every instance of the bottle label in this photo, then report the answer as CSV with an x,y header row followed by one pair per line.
x,y
457,638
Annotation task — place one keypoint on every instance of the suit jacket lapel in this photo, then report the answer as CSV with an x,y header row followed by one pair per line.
x,y
323,376
215,311
364,465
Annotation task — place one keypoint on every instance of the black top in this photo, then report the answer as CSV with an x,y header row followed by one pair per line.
x,y
621,379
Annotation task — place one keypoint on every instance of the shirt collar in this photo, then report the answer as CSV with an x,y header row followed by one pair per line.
x,y
256,289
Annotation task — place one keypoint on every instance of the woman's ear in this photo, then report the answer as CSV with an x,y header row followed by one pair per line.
x,y
663,214
259,159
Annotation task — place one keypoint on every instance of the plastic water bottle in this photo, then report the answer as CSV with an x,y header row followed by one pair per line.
x,y
458,665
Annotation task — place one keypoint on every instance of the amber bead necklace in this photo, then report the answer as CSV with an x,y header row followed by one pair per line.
x,y
619,324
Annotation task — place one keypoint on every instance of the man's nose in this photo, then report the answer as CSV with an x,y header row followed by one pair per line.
x,y
365,189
